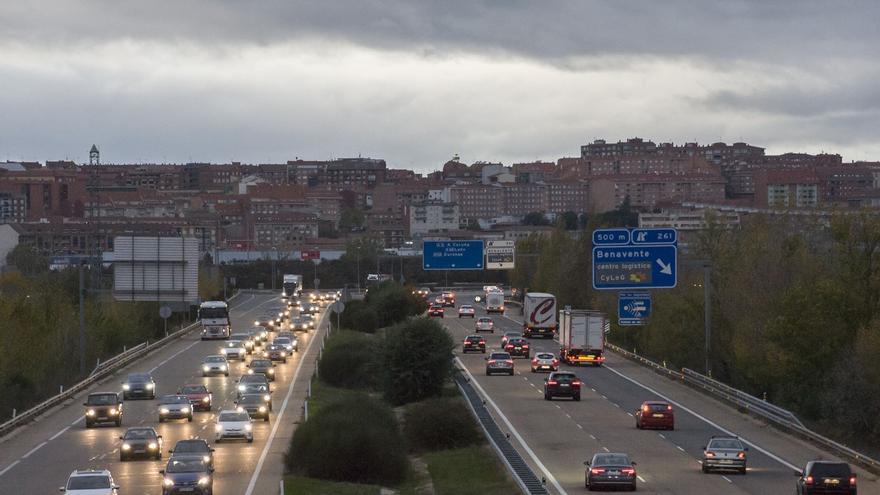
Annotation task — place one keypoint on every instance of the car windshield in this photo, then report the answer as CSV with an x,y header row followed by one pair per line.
x,y
102,400
174,399
274,347
194,389
194,465
138,378
518,341
485,320
240,336
474,338
191,446
251,399
725,443
281,341
612,460
830,470
255,387
89,482
544,355
500,355
233,343
261,363
139,434
215,359
233,416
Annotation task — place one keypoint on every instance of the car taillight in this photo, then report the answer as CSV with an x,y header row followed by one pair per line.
x,y
646,409
467,342
597,471
852,480
629,471
555,361
551,382
808,480
669,408
509,361
509,346
576,383
535,361
482,342
710,454
741,455
491,361
525,346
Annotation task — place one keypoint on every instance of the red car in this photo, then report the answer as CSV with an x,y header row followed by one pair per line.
x,y
655,414
435,310
199,396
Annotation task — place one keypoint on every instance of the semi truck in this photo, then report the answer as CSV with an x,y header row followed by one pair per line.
x,y
291,286
214,318
539,314
582,337
495,302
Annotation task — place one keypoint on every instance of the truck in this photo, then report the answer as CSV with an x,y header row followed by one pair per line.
x,y
291,286
495,302
539,314
582,337
214,319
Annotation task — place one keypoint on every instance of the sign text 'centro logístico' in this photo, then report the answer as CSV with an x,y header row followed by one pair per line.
x,y
452,255
648,260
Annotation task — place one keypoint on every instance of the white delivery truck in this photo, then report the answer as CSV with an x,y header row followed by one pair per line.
x,y
495,302
214,318
582,337
539,314
291,286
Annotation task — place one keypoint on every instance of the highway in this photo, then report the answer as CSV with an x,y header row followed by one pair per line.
x,y
561,434
39,458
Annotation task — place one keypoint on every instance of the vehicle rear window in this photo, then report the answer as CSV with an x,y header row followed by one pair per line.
x,y
830,470
564,376
659,407
544,355
725,443
500,355
612,460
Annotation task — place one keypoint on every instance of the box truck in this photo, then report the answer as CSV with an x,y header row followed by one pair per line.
x,y
495,302
539,314
582,337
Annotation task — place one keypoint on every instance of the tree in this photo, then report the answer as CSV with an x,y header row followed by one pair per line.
x,y
535,218
569,220
27,260
351,219
417,360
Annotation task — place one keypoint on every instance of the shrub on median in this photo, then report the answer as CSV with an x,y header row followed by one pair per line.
x,y
440,423
416,360
359,316
349,361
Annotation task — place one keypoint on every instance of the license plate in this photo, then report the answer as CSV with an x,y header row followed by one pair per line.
x,y
563,384
186,489
614,473
724,461
658,415
545,367
832,481
518,348
591,357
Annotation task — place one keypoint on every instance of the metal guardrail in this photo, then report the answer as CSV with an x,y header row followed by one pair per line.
x,y
522,473
776,415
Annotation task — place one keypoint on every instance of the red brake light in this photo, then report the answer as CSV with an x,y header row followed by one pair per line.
x,y
491,361
710,454
597,470
509,361
741,455
525,346
535,360
808,480
852,480
628,471
669,408
646,408
576,383
467,342
509,346
555,361
551,382
483,342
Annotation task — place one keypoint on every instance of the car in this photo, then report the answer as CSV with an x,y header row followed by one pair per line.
x,y
255,405
247,339
187,474
234,349
103,407
545,361
90,482
610,470
215,364
175,407
826,477
198,395
275,353
448,298
264,366
138,385
518,346
484,324
265,321
286,334
435,310
255,388
473,343
262,336
309,319
507,336
247,380
194,446
422,292
290,345
140,441
562,384
655,414
499,362
300,323
233,424
466,310
438,300
725,453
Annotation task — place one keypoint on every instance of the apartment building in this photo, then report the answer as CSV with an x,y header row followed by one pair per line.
x,y
431,217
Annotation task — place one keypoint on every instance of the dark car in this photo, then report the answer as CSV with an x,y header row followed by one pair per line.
x,y
507,336
826,477
139,385
194,447
435,310
562,384
265,321
247,338
141,441
255,405
276,352
187,474
499,362
103,407
199,396
518,346
655,414
264,366
724,453
610,471
300,324
473,343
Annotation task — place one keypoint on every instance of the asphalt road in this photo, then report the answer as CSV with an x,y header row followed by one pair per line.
x,y
562,434
39,458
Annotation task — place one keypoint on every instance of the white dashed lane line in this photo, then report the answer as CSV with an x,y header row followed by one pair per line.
x,y
38,447
9,467
727,479
53,437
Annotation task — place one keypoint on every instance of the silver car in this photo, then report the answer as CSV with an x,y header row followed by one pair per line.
x,y
215,364
723,452
290,345
545,361
234,349
484,324
175,407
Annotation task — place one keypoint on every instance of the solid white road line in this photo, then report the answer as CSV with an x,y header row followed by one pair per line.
x,y
154,368
519,438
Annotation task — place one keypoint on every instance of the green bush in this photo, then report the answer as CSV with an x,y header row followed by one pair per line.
x,y
349,360
360,316
393,303
416,360
438,424
353,439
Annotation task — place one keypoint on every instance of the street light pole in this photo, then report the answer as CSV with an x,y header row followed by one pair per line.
x,y
707,312
82,321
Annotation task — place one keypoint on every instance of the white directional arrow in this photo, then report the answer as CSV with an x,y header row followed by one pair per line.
x,y
664,268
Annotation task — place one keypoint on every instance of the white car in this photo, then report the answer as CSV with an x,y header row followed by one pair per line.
x,y
232,424
466,310
90,482
215,364
234,349
484,324
545,361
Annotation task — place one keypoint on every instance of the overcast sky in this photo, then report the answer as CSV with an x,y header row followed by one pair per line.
x,y
416,82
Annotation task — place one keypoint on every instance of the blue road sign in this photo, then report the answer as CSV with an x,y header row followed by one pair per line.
x,y
635,267
610,237
633,308
452,255
654,236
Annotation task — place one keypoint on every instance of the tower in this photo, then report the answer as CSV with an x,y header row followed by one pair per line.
x,y
94,156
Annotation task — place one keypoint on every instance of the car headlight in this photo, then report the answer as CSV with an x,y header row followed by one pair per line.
x,y
241,388
250,372
262,409
126,446
113,412
256,323
206,458
267,398
239,409
90,412
206,399
283,354
153,446
151,386
271,371
168,482
204,480
223,351
248,427
218,428
223,367
164,410
126,386
184,410
206,368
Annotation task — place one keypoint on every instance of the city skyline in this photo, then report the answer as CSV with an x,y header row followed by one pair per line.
x,y
415,84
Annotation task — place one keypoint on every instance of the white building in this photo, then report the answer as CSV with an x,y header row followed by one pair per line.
x,y
432,217
8,242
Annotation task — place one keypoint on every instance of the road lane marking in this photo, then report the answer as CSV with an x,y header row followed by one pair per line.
x,y
173,356
38,447
661,436
681,449
265,453
579,426
519,438
9,467
605,449
641,479
727,479
592,436
569,415
630,414
707,420
618,406
53,437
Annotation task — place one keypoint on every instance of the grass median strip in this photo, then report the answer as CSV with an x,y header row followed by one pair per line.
x,y
468,470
